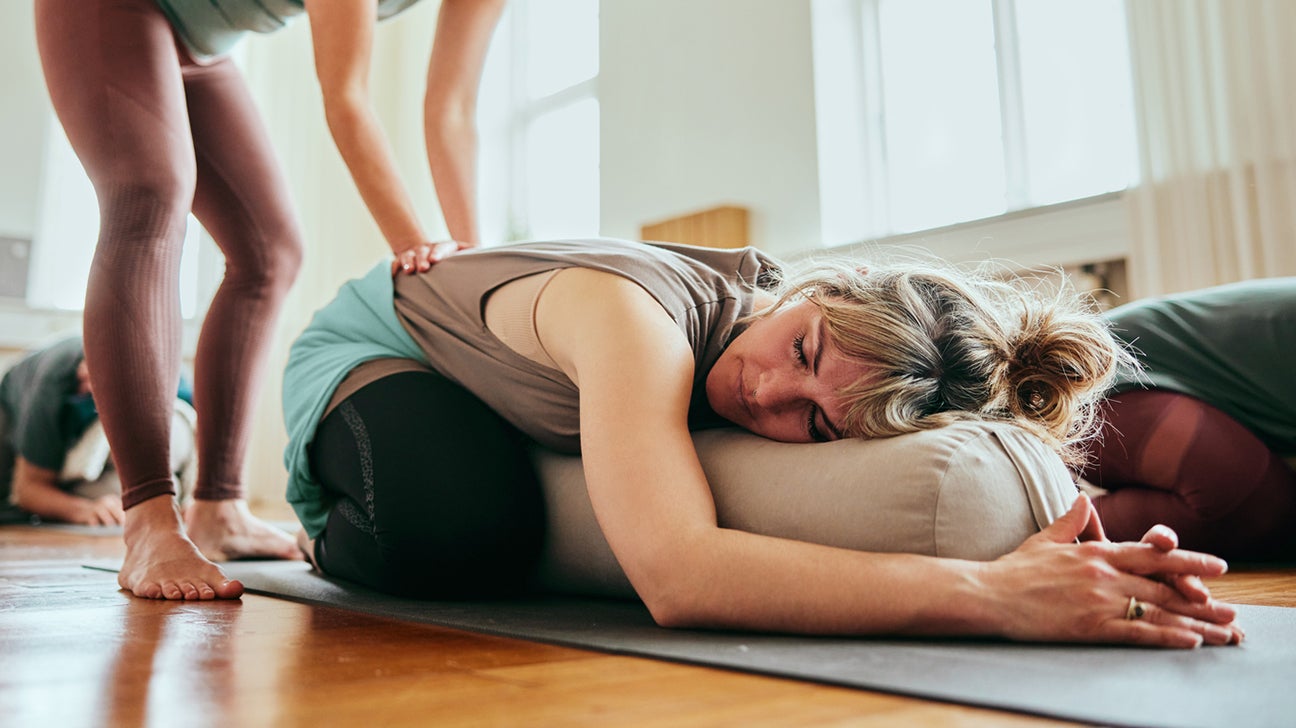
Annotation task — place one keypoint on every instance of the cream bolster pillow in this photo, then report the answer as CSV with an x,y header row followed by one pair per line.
x,y
971,491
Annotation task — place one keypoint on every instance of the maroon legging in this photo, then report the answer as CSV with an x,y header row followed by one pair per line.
x,y
160,135
1169,458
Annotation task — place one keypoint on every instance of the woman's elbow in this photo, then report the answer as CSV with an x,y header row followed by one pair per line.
x,y
674,603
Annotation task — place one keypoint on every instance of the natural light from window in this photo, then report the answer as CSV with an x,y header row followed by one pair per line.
x,y
539,123
936,112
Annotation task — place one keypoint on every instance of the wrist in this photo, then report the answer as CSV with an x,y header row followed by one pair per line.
x,y
975,604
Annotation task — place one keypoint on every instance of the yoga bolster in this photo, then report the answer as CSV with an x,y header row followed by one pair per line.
x,y
969,491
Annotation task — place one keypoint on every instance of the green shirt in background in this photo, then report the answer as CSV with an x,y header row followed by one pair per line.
x,y
1231,346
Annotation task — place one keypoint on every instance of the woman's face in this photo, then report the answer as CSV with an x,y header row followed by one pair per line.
x,y
780,378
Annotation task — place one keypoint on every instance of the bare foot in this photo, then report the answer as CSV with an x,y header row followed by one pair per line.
x,y
162,563
307,546
226,530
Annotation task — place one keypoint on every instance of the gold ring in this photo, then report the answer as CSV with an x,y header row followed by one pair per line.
x,y
1135,609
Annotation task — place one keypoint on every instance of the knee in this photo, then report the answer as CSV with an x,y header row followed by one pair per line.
x,y
283,259
271,271
153,207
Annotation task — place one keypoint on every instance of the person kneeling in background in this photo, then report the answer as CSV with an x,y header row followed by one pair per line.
x,y
54,458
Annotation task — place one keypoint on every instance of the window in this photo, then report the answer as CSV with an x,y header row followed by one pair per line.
x,y
67,227
935,112
539,123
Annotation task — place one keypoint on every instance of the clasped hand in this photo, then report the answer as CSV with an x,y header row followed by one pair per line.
x,y
1069,583
423,256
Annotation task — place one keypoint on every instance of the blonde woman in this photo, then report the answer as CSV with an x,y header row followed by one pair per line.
x,y
406,402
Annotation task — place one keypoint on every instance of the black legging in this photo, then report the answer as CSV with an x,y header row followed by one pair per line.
x,y
435,494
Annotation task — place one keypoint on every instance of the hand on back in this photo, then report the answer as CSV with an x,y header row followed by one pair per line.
x,y
423,256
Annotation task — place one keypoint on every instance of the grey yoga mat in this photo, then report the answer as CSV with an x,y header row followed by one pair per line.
x,y
1251,685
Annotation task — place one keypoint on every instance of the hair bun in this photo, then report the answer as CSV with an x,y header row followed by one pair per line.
x,y
1058,361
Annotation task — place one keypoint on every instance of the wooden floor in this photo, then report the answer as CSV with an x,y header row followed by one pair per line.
x,y
74,651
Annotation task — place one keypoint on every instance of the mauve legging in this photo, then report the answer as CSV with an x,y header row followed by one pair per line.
x,y
159,136
1170,458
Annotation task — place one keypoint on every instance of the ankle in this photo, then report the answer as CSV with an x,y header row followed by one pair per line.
x,y
218,511
159,514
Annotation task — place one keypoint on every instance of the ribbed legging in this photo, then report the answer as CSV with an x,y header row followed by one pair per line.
x,y
159,136
1173,459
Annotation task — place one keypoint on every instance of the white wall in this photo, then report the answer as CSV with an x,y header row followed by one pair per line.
x,y
24,120
707,103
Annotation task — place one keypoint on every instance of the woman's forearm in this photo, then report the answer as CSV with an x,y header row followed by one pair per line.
x,y
342,37
1050,589
451,139
747,581
36,490
463,33
363,146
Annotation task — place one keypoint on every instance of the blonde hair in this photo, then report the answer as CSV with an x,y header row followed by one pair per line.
x,y
941,344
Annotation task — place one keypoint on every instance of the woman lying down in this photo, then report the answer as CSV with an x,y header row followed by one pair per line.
x,y
408,403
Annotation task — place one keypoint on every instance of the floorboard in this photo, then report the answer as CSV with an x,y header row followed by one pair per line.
x,y
78,652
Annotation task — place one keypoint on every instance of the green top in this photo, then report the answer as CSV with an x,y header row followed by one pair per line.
x,y
1231,346
211,28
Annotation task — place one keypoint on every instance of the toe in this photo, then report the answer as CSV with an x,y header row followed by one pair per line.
x,y
230,589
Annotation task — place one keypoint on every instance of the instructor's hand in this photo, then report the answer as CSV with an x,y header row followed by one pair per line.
x,y
423,256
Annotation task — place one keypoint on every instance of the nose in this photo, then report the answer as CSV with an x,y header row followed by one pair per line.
x,y
775,390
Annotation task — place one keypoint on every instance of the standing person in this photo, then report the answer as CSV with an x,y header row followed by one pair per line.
x,y
164,125
404,402
1197,437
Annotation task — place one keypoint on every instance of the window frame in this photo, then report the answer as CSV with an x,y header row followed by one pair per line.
x,y
1077,231
522,112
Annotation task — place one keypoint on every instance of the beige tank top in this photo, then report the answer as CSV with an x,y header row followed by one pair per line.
x,y
478,330
510,315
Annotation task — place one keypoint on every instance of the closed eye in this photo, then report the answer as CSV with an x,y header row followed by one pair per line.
x,y
812,427
798,348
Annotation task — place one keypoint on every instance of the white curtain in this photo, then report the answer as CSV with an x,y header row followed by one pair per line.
x,y
342,241
1215,93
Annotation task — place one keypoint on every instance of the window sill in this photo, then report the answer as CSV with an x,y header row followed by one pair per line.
x,y
1089,230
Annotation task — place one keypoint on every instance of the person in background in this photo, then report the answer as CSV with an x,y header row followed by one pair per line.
x,y
47,418
1198,437
162,121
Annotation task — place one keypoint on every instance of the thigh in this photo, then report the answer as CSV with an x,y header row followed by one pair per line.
x,y
434,494
113,71
242,196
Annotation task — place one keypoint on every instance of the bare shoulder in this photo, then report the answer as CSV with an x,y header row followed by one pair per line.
x,y
586,315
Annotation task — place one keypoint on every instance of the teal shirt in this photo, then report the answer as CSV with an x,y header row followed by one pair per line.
x,y
358,326
211,28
